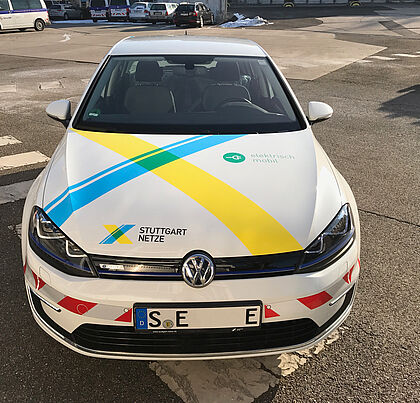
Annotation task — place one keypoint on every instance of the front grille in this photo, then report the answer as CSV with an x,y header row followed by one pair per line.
x,y
170,269
124,339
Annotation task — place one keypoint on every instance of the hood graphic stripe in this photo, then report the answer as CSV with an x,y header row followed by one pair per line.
x,y
256,229
79,198
116,166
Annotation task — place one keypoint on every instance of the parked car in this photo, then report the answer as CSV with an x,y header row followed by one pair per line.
x,y
196,14
23,14
189,212
140,11
65,12
162,12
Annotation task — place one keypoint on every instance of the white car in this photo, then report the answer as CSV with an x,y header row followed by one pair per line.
x,y
189,212
140,11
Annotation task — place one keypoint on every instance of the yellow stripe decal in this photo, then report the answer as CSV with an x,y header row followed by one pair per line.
x,y
256,229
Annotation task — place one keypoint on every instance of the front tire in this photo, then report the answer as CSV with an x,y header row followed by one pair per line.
x,y
94,20
39,25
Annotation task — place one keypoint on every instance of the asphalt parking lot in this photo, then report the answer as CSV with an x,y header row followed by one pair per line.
x,y
366,65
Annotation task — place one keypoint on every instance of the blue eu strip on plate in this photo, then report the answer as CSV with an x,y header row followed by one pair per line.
x,y
141,318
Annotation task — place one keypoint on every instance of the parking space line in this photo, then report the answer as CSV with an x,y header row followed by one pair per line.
x,y
15,191
23,159
50,85
8,88
382,58
6,140
405,55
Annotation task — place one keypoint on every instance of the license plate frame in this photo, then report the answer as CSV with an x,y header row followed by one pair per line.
x,y
198,307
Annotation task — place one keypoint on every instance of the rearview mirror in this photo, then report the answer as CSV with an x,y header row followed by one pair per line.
x,y
60,110
319,111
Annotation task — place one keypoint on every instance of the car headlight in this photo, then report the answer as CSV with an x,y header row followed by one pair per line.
x,y
334,240
50,243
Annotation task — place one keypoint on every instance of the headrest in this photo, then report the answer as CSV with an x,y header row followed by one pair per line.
x,y
225,72
148,71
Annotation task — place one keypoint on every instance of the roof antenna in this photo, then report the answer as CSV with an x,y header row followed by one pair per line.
x,y
186,32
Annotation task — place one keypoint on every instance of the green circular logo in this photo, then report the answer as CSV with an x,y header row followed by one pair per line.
x,y
234,157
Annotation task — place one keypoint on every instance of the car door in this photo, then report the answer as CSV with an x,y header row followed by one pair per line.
x,y
206,12
21,18
5,14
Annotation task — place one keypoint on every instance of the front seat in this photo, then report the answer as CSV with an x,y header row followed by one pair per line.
x,y
227,86
149,96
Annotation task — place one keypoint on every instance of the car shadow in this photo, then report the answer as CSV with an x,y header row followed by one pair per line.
x,y
405,105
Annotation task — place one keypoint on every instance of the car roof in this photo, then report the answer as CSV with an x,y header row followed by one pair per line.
x,y
187,45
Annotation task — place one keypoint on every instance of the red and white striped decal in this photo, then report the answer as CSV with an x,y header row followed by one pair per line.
x,y
77,306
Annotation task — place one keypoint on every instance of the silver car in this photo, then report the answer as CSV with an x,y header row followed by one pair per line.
x,y
140,11
162,12
64,12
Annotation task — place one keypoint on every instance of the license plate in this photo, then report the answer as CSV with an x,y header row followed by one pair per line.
x,y
196,316
184,14
158,13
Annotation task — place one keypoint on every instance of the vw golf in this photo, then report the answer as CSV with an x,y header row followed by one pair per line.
x,y
189,212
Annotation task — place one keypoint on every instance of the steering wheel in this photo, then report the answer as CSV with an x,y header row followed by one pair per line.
x,y
229,100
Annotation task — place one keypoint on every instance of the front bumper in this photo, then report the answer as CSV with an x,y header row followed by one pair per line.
x,y
93,316
124,343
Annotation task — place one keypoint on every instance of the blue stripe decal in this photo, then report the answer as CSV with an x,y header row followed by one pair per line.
x,y
128,162
82,197
33,10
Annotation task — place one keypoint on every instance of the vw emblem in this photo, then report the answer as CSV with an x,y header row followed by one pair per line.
x,y
198,270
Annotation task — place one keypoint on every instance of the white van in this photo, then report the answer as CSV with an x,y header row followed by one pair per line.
x,y
98,9
119,9
23,14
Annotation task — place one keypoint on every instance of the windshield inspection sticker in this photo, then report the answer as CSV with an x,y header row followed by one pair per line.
x,y
159,234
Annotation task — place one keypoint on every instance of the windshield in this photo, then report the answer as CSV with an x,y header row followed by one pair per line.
x,y
55,7
185,8
97,3
187,94
118,3
158,7
138,5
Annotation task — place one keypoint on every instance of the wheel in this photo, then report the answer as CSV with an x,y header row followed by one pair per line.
x,y
22,29
94,20
201,23
153,22
39,25
178,25
66,17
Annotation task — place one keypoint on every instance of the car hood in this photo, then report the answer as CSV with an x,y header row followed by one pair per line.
x,y
167,195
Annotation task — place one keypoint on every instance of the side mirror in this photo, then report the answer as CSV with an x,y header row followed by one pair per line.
x,y
60,110
319,111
